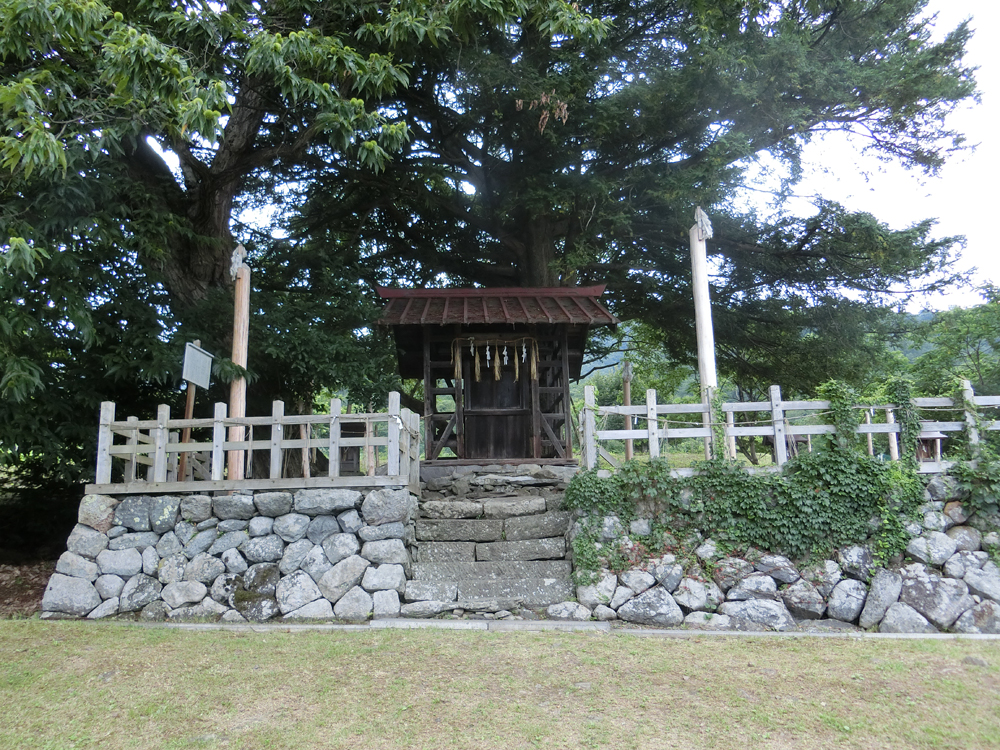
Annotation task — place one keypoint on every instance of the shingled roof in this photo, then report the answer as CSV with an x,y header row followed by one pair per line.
x,y
496,306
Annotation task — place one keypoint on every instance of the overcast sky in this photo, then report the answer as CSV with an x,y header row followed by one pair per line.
x,y
964,197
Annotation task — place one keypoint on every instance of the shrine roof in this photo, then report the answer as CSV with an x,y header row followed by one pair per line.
x,y
496,306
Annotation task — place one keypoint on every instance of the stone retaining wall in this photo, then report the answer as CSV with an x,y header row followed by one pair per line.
x,y
314,553
947,580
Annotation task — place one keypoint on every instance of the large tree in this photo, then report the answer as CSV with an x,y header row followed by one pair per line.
x,y
132,133
545,162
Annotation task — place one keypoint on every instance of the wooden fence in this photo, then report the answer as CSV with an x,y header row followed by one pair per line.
x,y
785,423
144,455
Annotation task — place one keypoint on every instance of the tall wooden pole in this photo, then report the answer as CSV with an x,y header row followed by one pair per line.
x,y
701,231
241,332
627,399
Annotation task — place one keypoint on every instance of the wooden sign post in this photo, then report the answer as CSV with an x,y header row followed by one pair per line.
x,y
240,272
198,373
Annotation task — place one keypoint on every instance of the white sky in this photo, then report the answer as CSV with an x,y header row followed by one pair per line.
x,y
963,198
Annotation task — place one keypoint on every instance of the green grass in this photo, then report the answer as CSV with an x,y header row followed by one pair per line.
x,y
106,685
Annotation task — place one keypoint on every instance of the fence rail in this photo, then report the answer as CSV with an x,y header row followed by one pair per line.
x,y
145,455
784,424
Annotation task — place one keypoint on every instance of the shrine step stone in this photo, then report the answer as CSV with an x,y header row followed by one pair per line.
x,y
553,548
530,592
430,552
459,530
456,571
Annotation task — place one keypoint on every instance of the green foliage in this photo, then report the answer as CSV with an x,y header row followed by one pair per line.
x,y
981,480
596,495
820,501
962,344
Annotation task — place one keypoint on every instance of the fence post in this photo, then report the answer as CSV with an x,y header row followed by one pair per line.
x,y
652,424
218,441
392,441
160,444
415,433
104,440
277,433
890,418
730,438
970,418
589,428
334,437
627,401
707,419
133,444
404,443
778,425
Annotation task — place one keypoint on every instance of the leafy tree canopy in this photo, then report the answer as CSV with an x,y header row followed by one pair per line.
x,y
114,254
514,142
537,163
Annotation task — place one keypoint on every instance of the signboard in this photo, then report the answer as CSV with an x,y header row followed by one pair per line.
x,y
197,365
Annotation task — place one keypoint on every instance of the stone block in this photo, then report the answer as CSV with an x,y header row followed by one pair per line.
x,y
163,512
138,591
767,613
273,504
386,551
531,549
340,546
510,507
451,509
196,508
268,548
133,513
97,512
109,586
230,540
291,527
183,592
655,607
447,551
125,563
378,533
86,542
319,502
77,566
385,604
530,592
384,578
69,595
342,577
234,506
460,531
296,591
441,591
137,540
320,609
354,606
536,527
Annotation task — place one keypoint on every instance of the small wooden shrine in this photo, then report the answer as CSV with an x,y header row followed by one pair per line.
x,y
496,366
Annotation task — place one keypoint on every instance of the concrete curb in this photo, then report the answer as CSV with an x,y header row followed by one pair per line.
x,y
537,626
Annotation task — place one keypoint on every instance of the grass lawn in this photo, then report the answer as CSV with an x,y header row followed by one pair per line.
x,y
106,685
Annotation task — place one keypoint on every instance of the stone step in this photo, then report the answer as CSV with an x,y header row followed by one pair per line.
x,y
478,593
434,552
553,548
493,509
531,592
514,529
541,526
459,531
455,571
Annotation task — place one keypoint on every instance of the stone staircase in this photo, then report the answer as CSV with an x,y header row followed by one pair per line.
x,y
492,537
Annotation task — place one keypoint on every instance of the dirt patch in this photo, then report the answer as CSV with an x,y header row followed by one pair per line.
x,y
22,586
